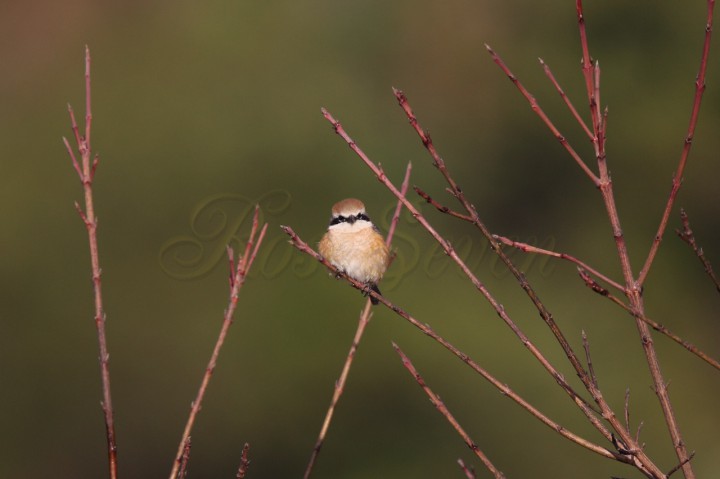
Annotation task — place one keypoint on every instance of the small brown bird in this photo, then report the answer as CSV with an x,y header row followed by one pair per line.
x,y
354,245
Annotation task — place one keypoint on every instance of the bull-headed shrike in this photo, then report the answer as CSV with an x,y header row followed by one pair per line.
x,y
354,245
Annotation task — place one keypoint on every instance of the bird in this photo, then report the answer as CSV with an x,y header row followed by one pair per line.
x,y
354,245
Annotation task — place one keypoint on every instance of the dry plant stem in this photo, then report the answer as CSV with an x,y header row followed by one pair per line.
x,y
440,406
469,473
298,243
339,387
533,249
441,208
536,108
588,359
687,235
457,192
244,462
362,323
640,459
627,408
450,251
689,136
182,473
517,244
633,287
86,171
606,410
677,468
653,324
565,98
238,279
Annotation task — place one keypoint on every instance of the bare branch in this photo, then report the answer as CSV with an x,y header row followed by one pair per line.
x,y
239,275
440,406
633,288
644,462
687,145
536,108
362,323
565,98
534,249
182,473
469,472
244,462
299,244
677,468
591,370
85,171
687,235
653,324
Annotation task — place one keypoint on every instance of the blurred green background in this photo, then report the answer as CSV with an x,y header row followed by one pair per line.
x,y
202,109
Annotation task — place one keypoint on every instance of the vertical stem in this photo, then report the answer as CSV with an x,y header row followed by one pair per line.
x,y
85,171
238,280
633,287
362,323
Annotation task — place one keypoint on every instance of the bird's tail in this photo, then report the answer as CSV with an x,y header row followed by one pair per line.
x,y
373,299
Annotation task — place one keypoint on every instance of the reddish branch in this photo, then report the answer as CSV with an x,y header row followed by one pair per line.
x,y
687,235
469,473
504,389
182,473
440,406
590,283
644,463
244,462
85,169
634,286
639,458
534,249
565,98
687,145
536,108
362,323
237,280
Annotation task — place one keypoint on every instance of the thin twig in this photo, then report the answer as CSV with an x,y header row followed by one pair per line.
x,y
633,288
239,275
589,282
534,249
362,323
244,462
182,473
469,472
565,98
440,406
588,358
677,468
627,408
536,108
299,244
441,208
644,463
687,145
687,235
86,172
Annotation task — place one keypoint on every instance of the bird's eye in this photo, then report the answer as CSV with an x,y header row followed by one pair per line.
x,y
363,216
338,219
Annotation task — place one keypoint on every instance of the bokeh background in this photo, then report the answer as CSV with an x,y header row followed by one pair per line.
x,y
203,109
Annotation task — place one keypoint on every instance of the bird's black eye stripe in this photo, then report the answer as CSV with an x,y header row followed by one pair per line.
x,y
349,219
337,219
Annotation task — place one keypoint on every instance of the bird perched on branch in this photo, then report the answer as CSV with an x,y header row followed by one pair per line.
x,y
354,245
